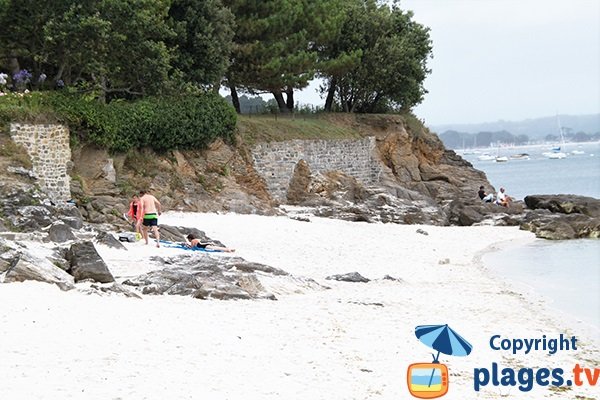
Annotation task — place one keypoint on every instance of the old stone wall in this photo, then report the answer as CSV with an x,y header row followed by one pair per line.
x,y
48,147
276,161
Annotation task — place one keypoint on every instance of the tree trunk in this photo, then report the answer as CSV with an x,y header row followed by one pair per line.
x,y
280,101
375,101
235,99
330,94
103,85
290,99
13,65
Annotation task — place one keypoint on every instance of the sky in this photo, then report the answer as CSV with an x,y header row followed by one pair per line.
x,y
506,59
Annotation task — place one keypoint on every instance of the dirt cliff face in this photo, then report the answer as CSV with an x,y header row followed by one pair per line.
x,y
418,161
220,178
418,174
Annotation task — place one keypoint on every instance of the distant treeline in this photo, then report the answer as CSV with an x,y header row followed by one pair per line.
x,y
257,105
457,140
535,128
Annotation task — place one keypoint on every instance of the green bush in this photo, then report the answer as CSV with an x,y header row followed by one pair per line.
x,y
161,123
31,107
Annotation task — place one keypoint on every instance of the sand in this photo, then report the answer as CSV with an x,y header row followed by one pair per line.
x,y
353,341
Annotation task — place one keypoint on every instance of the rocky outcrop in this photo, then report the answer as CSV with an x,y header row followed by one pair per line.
x,y
109,240
339,196
565,204
60,233
396,171
86,263
24,208
26,268
349,277
467,212
559,217
205,277
419,182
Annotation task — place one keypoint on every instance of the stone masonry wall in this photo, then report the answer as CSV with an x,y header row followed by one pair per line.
x,y
48,147
276,161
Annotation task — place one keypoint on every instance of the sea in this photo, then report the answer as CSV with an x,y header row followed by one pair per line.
x,y
565,273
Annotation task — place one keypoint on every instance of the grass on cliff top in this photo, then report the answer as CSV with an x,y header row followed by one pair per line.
x,y
274,128
271,128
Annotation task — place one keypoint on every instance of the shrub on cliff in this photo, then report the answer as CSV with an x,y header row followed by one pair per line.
x,y
161,123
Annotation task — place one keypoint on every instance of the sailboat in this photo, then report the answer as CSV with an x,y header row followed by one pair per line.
x,y
555,153
486,157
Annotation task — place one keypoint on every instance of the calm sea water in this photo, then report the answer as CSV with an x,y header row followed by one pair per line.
x,y
567,273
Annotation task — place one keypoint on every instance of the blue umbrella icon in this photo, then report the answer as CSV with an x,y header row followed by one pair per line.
x,y
443,339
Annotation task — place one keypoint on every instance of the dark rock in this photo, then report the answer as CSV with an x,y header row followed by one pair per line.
x,y
467,215
556,226
565,204
246,266
8,256
116,288
473,211
205,277
391,278
421,232
109,240
26,268
301,219
349,277
32,218
86,263
59,258
342,197
361,303
71,216
562,216
60,233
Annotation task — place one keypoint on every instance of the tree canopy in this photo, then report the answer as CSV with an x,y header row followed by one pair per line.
x,y
378,61
371,56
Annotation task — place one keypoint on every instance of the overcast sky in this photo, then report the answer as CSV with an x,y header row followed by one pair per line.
x,y
507,59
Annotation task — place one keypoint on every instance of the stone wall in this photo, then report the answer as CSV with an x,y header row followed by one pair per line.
x,y
276,161
48,147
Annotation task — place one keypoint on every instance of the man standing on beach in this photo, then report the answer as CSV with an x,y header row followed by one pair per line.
x,y
151,209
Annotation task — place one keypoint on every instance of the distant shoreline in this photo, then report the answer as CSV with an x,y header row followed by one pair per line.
x,y
537,145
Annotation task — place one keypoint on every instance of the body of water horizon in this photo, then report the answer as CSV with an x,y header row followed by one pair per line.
x,y
566,273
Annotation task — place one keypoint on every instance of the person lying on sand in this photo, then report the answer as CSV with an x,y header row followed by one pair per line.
x,y
195,242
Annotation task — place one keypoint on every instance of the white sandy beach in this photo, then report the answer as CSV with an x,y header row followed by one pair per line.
x,y
353,341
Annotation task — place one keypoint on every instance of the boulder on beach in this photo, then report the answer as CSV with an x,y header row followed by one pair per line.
x,y
206,277
559,217
25,268
86,263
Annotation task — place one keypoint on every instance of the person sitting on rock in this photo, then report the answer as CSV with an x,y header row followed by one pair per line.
x,y
194,242
502,199
488,198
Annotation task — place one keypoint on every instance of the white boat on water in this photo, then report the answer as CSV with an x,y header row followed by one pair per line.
x,y
486,157
577,152
520,156
555,153
502,159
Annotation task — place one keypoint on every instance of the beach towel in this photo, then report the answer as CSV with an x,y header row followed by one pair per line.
x,y
175,245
